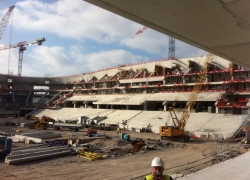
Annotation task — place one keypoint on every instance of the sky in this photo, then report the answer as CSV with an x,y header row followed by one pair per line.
x,y
80,38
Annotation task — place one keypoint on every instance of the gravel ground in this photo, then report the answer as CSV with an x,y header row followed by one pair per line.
x,y
123,167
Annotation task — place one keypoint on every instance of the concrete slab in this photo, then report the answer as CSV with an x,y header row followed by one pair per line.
x,y
236,168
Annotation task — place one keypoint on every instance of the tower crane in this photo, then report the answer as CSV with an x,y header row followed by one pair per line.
x,y
22,48
177,130
5,21
171,48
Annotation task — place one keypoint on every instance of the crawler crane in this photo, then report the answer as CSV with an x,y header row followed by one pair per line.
x,y
177,130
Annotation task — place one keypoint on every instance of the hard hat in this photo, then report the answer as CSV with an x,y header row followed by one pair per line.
x,y
157,162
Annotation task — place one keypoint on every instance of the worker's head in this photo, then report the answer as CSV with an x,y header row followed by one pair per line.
x,y
157,167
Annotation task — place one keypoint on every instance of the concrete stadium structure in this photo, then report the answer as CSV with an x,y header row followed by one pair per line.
x,y
217,26
140,93
152,85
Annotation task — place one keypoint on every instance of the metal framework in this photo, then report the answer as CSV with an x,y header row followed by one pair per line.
x,y
196,89
22,48
171,50
5,21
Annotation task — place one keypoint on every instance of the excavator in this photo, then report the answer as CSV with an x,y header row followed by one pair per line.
x,y
177,131
40,123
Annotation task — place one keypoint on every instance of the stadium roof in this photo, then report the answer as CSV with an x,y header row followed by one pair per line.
x,y
220,27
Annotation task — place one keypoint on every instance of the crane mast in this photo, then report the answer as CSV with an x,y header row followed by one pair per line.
x,y
5,21
171,48
22,48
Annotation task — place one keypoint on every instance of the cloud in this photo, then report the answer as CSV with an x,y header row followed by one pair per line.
x,y
9,61
83,38
53,60
76,20
107,59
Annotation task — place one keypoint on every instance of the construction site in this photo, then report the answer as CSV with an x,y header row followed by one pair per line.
x,y
193,112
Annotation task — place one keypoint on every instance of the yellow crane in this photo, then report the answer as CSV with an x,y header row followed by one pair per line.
x,y
177,130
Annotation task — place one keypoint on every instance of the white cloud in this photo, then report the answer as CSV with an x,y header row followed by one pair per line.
x,y
53,60
106,59
73,23
75,20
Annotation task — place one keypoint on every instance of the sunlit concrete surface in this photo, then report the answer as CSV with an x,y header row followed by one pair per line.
x,y
236,168
221,27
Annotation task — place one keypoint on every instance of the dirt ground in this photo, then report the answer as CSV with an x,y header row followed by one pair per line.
x,y
123,167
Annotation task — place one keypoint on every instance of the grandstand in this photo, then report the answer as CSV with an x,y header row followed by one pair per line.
x,y
140,93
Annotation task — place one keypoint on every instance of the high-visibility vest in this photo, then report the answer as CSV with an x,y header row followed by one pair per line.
x,y
149,177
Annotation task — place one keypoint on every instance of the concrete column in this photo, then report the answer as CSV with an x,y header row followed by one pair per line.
x,y
98,106
165,105
216,110
86,105
127,107
112,106
75,103
145,106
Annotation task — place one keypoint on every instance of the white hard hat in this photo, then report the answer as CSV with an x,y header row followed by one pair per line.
x,y
157,162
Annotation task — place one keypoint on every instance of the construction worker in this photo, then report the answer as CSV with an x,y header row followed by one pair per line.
x,y
157,170
118,130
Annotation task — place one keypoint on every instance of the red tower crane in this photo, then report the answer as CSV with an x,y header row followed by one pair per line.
x,y
22,48
5,21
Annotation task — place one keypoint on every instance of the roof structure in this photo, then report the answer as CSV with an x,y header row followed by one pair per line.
x,y
220,27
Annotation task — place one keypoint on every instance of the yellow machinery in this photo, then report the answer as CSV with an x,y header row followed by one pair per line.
x,y
40,123
177,130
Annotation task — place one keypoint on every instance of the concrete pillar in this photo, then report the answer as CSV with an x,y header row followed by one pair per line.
x,y
98,106
127,107
216,110
75,103
112,106
165,105
86,105
145,106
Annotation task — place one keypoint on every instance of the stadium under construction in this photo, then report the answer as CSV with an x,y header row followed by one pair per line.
x,y
141,93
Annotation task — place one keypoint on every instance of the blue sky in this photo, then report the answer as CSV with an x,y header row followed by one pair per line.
x,y
80,38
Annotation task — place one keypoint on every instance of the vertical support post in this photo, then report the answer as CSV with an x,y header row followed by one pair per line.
x,y
20,61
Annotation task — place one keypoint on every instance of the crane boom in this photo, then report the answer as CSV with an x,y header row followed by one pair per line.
x,y
5,21
177,131
196,89
22,48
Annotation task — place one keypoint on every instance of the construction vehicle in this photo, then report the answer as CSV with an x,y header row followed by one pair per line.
x,y
6,148
69,126
2,141
177,131
40,123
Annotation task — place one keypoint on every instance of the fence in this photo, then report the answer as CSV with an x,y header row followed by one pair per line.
x,y
213,155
